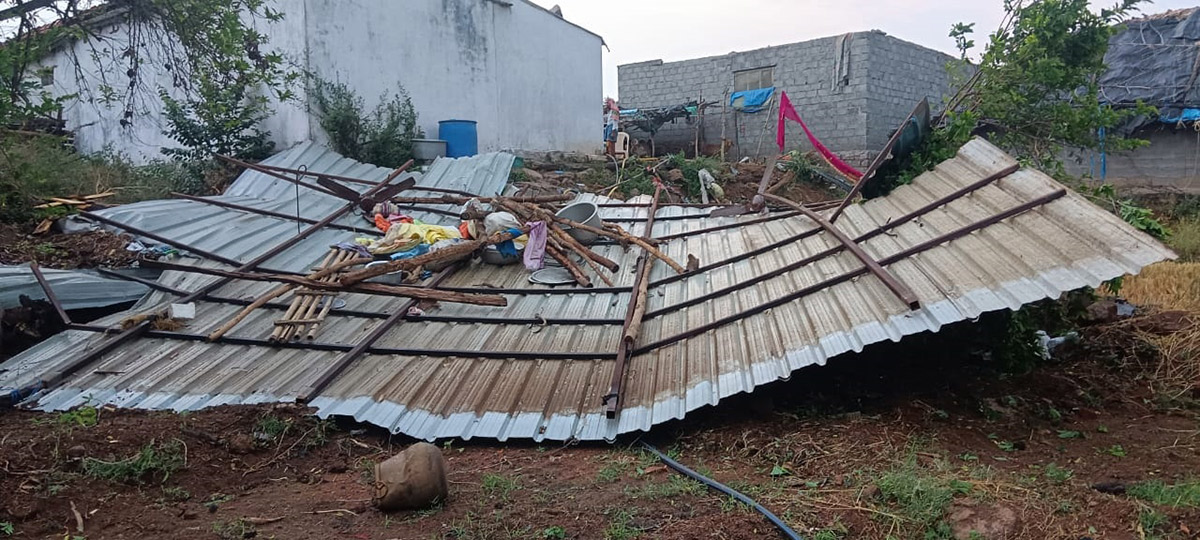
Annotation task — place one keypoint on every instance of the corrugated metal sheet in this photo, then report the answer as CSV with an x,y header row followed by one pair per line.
x,y
242,235
1056,247
75,289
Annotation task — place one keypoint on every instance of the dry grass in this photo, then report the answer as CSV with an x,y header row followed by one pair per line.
x,y
1168,285
1178,372
1185,239
1171,286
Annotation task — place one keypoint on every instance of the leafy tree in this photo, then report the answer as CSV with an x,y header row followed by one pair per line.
x,y
224,119
1034,91
382,137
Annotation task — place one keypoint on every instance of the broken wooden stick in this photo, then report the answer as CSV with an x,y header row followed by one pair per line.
x,y
568,240
445,254
365,288
567,249
262,300
625,237
570,265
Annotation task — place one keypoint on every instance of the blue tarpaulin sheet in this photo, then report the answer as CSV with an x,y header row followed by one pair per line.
x,y
751,100
1186,115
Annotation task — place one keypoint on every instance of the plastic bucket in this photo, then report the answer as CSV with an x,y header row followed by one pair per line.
x,y
461,136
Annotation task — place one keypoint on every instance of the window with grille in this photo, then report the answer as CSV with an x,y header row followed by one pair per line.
x,y
753,79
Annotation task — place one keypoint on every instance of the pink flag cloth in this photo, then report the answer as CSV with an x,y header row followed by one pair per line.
x,y
786,111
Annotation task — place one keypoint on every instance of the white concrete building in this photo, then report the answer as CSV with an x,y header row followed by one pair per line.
x,y
531,79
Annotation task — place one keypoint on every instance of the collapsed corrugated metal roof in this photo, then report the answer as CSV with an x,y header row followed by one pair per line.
x,y
773,294
211,224
75,289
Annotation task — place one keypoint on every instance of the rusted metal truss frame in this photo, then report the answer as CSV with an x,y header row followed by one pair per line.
x,y
825,284
41,279
143,327
344,362
373,314
877,162
882,229
893,284
270,213
341,347
353,180
79,361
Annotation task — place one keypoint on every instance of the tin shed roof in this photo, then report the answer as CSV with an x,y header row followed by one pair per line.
x,y
773,294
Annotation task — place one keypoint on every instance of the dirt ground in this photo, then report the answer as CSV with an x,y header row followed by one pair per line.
x,y
911,440
55,250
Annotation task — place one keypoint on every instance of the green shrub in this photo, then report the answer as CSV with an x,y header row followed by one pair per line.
x,y
382,137
152,461
223,118
691,170
32,170
1185,239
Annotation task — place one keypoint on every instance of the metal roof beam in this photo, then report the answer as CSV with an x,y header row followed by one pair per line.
x,y
801,293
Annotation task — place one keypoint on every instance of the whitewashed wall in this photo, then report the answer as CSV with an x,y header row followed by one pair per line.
x,y
531,80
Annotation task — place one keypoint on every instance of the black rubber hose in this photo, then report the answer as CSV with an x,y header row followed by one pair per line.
x,y
713,484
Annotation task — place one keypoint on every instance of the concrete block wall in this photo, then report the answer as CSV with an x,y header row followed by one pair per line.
x,y
1171,160
901,73
887,76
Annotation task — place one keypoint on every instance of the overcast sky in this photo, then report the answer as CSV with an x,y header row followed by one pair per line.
x,y
638,30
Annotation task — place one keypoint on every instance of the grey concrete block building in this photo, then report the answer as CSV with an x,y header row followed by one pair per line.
x,y
852,90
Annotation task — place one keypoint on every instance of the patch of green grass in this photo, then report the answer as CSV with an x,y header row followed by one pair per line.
x,y
173,494
153,461
730,504
1183,494
837,531
610,472
1069,434
271,428
237,529
1151,523
620,527
675,486
84,417
496,485
555,533
7,528
1115,450
1057,475
917,493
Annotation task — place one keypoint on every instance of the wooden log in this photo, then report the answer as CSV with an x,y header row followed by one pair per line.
x,y
441,255
570,265
570,241
262,300
366,288
626,237
640,297
313,302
